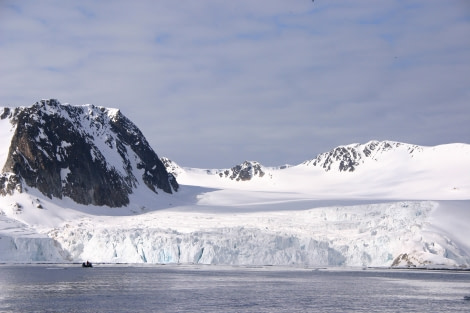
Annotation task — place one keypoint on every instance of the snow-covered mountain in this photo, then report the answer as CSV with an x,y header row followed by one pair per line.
x,y
348,158
377,169
375,204
92,155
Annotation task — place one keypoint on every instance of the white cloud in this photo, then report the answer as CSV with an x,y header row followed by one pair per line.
x,y
213,82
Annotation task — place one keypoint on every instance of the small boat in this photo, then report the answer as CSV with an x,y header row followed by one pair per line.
x,y
466,297
87,264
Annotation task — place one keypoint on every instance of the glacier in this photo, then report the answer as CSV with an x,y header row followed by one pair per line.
x,y
239,227
19,244
359,235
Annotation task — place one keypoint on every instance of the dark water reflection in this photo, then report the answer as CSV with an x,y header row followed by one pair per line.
x,y
46,288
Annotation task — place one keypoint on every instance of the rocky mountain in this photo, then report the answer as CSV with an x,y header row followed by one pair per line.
x,y
242,172
348,158
91,154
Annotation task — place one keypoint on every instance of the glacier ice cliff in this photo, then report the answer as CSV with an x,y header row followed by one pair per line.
x,y
383,234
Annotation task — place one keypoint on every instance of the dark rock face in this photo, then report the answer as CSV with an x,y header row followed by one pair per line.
x,y
155,174
346,157
245,171
61,150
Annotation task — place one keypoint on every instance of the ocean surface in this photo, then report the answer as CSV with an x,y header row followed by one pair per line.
x,y
193,288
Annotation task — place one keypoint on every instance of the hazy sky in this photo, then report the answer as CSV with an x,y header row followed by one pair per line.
x,y
214,83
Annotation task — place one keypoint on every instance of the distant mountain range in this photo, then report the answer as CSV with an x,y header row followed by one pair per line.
x,y
341,159
95,155
378,168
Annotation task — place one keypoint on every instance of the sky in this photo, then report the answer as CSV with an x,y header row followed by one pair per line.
x,y
214,83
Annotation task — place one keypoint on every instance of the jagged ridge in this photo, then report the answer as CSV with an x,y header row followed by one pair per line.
x,y
348,158
343,158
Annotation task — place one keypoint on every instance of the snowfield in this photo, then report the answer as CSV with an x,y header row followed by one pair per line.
x,y
396,209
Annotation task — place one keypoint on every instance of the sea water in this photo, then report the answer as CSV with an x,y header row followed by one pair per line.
x,y
158,288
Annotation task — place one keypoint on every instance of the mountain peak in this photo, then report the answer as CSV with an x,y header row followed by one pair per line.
x,y
244,171
347,158
49,102
90,154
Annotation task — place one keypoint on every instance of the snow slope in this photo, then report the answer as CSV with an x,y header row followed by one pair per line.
x,y
403,171
398,207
